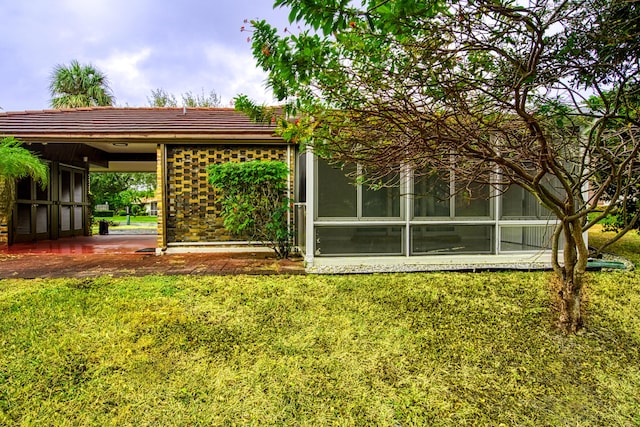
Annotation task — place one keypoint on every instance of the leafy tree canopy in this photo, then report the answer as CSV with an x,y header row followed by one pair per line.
x,y
502,85
77,85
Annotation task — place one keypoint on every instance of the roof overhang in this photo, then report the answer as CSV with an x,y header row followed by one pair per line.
x,y
127,139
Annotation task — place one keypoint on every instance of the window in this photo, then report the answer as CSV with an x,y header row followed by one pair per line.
x,y
382,202
473,200
340,197
337,196
431,196
359,240
450,238
517,203
526,238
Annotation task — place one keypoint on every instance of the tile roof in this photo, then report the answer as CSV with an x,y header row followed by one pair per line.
x,y
97,122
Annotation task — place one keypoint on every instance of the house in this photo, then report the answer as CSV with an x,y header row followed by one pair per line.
x,y
149,206
420,224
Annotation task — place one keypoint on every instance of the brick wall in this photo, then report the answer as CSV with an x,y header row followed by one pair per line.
x,y
4,221
4,231
193,208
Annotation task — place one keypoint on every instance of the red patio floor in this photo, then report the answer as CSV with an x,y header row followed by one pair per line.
x,y
101,244
119,255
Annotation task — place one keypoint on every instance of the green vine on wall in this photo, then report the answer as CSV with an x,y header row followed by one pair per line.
x,y
254,202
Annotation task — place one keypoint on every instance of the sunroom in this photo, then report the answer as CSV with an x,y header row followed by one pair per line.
x,y
416,223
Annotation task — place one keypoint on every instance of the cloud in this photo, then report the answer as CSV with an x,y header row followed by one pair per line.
x,y
234,72
125,73
141,45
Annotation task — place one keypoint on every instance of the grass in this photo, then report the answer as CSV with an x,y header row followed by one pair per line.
x,y
136,222
628,246
441,349
138,219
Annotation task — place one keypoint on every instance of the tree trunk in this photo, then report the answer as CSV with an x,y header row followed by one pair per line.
x,y
572,278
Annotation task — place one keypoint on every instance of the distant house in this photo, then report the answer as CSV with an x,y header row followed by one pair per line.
x,y
149,206
421,224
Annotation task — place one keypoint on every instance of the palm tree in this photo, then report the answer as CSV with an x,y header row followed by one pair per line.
x,y
78,85
16,163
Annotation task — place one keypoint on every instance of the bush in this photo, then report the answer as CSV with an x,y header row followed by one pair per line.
x,y
103,214
254,205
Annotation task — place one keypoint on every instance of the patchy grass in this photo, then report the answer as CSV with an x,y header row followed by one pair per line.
x,y
438,349
628,246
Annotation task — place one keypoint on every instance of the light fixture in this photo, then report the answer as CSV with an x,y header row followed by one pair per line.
x,y
120,144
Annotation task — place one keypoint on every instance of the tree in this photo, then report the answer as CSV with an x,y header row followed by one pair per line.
x,y
205,101
161,98
79,85
16,162
121,189
494,92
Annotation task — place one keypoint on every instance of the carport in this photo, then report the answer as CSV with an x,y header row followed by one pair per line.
x,y
175,143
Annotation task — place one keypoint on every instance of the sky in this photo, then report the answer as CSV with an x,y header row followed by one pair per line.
x,y
140,45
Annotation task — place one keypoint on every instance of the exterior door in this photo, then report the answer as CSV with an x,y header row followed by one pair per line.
x,y
72,196
32,213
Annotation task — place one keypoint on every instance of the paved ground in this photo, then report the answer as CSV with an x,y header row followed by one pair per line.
x,y
92,265
122,256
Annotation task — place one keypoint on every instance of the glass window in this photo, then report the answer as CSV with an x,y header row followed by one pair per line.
x,y
42,193
431,196
359,240
473,200
517,203
77,187
77,218
300,187
65,186
42,219
337,195
446,239
384,201
65,218
23,217
527,238
23,189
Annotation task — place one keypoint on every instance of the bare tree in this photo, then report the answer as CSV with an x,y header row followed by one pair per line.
x,y
540,94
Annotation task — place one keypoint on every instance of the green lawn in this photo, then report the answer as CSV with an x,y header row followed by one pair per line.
x,y
136,222
142,219
407,349
628,246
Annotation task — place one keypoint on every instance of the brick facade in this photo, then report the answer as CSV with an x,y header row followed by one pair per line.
x,y
193,210
4,231
4,220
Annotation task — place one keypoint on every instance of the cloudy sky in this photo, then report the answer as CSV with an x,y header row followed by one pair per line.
x,y
141,45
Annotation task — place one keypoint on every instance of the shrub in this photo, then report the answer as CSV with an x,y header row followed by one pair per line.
x,y
103,214
254,204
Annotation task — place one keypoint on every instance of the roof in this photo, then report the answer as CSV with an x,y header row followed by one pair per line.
x,y
133,123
